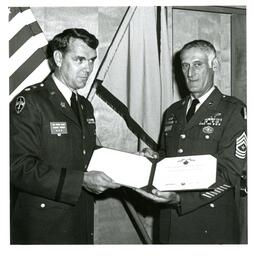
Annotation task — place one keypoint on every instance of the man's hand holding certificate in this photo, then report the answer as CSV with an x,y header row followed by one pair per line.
x,y
170,174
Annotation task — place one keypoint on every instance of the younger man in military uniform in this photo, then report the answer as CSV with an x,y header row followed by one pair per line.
x,y
52,140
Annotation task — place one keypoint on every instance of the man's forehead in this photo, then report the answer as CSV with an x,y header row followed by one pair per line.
x,y
78,45
193,54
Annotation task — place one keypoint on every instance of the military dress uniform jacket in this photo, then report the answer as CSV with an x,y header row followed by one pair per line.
x,y
218,128
49,152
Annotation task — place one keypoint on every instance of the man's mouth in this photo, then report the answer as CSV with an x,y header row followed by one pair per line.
x,y
83,77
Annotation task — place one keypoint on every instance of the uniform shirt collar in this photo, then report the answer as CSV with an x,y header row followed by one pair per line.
x,y
201,99
205,96
66,91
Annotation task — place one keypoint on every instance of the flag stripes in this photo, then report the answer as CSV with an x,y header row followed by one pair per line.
x,y
22,36
28,66
27,50
42,69
15,10
19,20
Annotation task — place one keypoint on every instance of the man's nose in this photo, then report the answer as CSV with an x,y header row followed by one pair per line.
x,y
190,71
86,66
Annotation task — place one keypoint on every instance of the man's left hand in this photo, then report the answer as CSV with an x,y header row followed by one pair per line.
x,y
160,196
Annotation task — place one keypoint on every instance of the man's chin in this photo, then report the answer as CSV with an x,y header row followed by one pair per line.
x,y
81,85
193,88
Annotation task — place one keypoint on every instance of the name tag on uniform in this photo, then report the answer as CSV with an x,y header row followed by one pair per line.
x,y
58,128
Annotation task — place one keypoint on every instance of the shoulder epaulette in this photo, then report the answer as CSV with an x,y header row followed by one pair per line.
x,y
232,99
33,87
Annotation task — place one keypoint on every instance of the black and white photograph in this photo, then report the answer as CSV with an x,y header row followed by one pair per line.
x,y
127,125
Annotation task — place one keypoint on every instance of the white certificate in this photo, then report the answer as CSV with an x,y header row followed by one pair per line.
x,y
124,168
185,173
173,173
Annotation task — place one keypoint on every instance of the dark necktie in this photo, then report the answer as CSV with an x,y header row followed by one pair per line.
x,y
192,109
74,105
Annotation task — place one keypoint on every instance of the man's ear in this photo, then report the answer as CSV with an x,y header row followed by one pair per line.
x,y
215,64
58,57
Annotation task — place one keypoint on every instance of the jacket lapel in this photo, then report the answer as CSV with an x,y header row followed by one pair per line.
x,y
180,112
59,101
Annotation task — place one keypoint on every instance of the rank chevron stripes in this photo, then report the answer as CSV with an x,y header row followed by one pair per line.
x,y
241,146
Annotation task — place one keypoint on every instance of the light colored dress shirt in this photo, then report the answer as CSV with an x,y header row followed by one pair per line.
x,y
201,99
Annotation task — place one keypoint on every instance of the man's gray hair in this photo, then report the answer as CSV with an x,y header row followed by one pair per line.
x,y
204,46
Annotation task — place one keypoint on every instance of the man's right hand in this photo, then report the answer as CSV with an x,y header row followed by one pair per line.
x,y
158,196
147,152
97,182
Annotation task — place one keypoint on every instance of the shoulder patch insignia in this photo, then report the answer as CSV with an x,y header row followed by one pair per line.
x,y
241,146
20,104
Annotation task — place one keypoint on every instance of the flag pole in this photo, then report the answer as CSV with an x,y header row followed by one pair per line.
x,y
138,224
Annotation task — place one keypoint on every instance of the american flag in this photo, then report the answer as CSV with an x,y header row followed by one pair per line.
x,y
27,50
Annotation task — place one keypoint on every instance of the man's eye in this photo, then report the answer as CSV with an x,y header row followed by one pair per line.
x,y
196,65
78,60
184,66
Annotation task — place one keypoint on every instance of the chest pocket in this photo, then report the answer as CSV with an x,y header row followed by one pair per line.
x,y
90,124
210,133
55,145
89,119
205,139
171,134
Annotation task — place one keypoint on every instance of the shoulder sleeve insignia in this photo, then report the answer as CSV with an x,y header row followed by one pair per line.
x,y
241,146
20,104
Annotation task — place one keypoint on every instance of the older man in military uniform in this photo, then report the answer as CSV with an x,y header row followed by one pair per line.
x,y
52,140
206,122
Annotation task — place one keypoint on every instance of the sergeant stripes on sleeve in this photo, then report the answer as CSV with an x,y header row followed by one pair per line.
x,y
218,190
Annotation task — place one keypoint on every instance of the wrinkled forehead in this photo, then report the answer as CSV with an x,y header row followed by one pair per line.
x,y
78,47
193,54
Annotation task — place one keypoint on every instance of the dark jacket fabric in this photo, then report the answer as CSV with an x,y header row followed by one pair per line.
x,y
218,128
49,152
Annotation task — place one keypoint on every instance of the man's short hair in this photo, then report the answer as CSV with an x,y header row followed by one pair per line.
x,y
204,46
61,41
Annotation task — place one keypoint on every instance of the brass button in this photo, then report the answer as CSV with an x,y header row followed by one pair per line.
x,y
212,205
84,152
43,205
207,137
180,150
182,136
